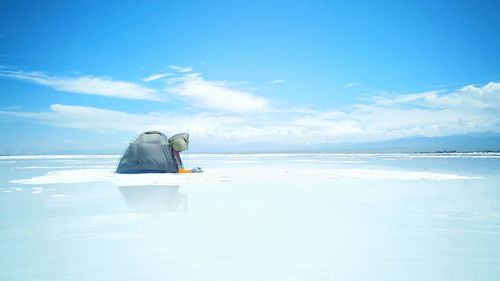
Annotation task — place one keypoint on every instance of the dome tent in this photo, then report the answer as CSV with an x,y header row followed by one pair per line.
x,y
151,152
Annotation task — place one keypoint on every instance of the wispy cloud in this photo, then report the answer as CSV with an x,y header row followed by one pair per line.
x,y
406,99
190,87
87,85
181,69
352,84
12,107
216,95
156,77
277,81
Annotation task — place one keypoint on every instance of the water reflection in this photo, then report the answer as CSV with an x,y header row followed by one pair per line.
x,y
155,198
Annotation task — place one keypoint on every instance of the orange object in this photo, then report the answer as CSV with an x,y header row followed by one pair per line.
x,y
182,171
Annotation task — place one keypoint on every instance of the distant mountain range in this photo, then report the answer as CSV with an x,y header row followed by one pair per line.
x,y
487,141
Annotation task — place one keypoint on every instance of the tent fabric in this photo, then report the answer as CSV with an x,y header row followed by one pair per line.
x,y
150,152
178,159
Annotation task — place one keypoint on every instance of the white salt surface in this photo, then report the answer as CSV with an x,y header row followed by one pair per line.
x,y
272,155
66,167
24,157
211,176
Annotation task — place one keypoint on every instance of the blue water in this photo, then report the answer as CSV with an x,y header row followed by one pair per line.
x,y
287,229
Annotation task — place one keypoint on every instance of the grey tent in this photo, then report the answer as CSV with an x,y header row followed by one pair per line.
x,y
152,152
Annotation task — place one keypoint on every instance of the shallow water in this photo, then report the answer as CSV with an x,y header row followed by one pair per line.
x,y
253,217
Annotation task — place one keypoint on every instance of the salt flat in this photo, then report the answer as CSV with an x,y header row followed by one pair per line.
x,y
253,217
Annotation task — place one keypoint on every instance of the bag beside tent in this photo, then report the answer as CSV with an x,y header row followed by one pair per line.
x,y
179,142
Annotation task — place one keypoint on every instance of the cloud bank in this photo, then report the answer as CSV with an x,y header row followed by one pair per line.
x,y
228,113
466,110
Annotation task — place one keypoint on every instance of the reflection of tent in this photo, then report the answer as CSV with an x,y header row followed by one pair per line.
x,y
152,152
161,198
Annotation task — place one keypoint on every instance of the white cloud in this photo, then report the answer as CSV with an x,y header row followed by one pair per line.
x,y
277,81
216,95
156,77
191,87
466,110
352,84
471,97
181,69
87,85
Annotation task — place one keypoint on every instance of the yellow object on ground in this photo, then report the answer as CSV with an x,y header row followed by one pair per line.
x,y
182,171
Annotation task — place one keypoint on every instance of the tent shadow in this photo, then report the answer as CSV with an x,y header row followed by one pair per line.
x,y
155,198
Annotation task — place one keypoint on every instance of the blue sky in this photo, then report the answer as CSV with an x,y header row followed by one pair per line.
x,y
90,76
